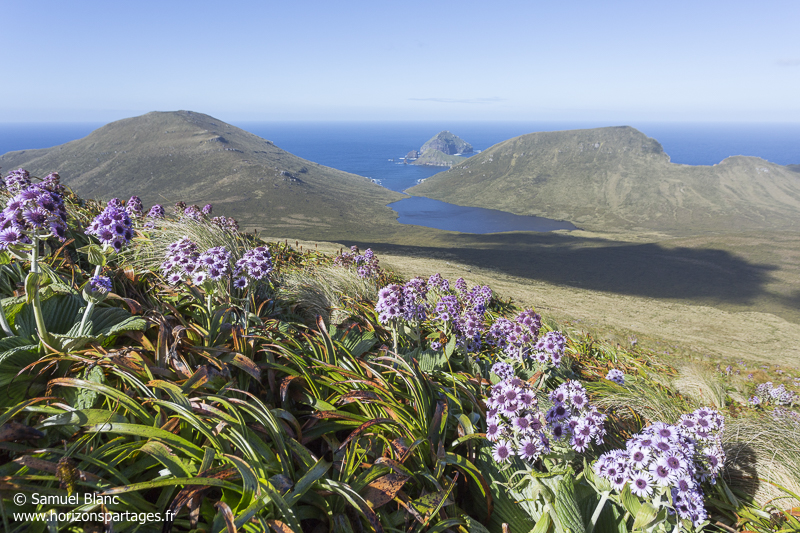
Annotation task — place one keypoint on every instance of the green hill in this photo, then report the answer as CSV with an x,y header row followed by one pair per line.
x,y
618,179
169,156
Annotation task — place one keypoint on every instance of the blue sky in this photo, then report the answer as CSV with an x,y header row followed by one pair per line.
x,y
415,60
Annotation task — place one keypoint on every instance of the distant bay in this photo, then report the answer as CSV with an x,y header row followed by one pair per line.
x,y
375,149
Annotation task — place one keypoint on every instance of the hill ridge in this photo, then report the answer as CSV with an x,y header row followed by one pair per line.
x,y
617,178
185,155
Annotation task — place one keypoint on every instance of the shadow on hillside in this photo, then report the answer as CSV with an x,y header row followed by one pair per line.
x,y
650,270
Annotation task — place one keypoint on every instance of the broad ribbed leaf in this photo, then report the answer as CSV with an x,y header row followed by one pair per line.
x,y
647,513
109,321
61,312
565,504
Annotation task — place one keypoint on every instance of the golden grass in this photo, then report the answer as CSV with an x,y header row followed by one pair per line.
x,y
323,290
761,451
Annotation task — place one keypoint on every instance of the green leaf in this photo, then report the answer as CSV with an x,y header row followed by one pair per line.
x,y
307,481
129,403
83,417
31,286
543,524
566,506
138,430
647,513
629,501
163,454
286,511
451,347
95,254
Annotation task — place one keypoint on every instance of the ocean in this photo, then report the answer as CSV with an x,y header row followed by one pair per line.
x,y
375,149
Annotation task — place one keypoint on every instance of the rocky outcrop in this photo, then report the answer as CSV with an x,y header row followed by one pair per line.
x,y
447,143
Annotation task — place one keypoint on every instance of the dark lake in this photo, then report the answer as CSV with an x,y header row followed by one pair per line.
x,y
430,213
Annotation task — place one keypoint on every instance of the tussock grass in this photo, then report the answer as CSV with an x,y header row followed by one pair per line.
x,y
639,396
150,252
324,290
701,384
762,450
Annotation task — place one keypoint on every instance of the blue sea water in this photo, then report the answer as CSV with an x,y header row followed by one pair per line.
x,y
375,149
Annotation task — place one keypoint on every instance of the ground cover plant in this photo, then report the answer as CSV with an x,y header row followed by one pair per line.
x,y
164,371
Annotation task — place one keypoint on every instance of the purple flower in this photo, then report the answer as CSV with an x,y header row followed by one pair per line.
x,y
255,264
617,376
34,210
642,485
17,180
100,284
134,207
680,456
502,451
112,227
157,211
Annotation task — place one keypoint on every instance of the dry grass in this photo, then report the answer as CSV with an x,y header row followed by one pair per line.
x,y
701,384
644,397
760,451
323,290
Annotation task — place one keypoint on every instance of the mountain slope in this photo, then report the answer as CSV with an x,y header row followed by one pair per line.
x,y
169,156
619,179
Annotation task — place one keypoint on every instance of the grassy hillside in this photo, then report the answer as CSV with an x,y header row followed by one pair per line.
x,y
277,389
618,179
165,157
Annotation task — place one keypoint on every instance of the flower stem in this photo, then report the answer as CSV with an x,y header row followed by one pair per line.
x,y
87,313
37,304
598,510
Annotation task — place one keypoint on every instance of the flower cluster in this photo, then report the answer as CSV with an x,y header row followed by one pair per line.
x,y
460,311
439,284
155,213
34,209
550,347
198,214
101,284
134,207
112,227
617,376
366,264
181,261
405,302
678,458
255,265
226,223
519,339
767,393
516,337
572,417
193,212
212,265
17,180
516,426
514,422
